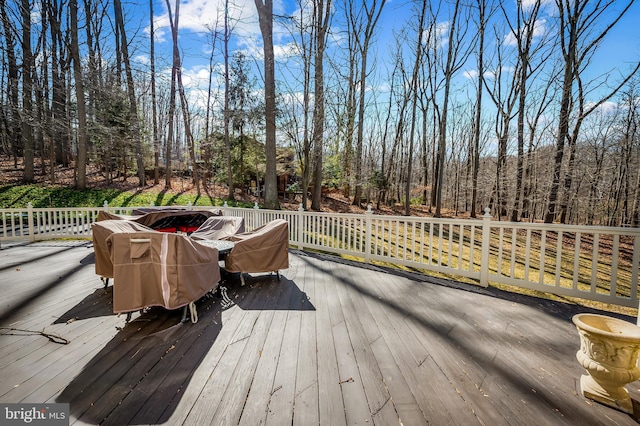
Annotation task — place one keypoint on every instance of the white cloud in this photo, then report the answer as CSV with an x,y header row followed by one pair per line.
x,y
471,74
142,59
539,28
527,5
203,16
503,70
607,107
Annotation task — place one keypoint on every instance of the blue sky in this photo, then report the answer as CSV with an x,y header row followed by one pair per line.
x,y
199,17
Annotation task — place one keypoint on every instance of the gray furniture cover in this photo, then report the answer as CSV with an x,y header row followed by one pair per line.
x,y
219,228
160,269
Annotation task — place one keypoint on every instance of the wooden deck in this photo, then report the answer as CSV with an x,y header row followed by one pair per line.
x,y
331,343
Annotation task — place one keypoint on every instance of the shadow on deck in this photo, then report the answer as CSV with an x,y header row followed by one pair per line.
x,y
332,342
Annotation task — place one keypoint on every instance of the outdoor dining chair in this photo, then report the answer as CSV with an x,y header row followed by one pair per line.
x,y
264,249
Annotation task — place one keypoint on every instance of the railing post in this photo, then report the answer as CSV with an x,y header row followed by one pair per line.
x,y
189,206
32,236
367,236
105,205
300,230
486,247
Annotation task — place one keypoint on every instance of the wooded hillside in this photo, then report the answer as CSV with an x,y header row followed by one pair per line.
x,y
465,105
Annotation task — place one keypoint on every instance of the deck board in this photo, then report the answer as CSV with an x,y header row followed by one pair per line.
x,y
330,402
305,403
380,405
331,342
257,401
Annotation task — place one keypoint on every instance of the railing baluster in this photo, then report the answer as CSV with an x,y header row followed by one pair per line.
x,y
594,262
576,260
500,250
635,271
460,247
431,225
472,248
514,248
558,268
614,265
543,249
527,255
440,242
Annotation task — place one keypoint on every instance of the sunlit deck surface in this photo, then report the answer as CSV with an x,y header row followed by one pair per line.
x,y
331,343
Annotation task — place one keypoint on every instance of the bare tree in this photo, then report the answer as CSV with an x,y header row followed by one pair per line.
x,y
523,31
485,10
347,118
265,18
579,39
227,141
13,125
172,94
306,50
457,53
81,159
413,93
27,92
504,92
183,99
60,125
206,145
154,98
133,102
540,101
363,41
322,14
628,140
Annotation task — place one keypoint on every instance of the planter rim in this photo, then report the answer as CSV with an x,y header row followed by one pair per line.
x,y
626,331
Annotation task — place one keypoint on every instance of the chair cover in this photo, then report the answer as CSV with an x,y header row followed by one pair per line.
x,y
100,232
160,269
264,249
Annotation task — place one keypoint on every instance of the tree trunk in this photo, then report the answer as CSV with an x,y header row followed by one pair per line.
x,y
322,23
372,15
452,54
81,159
227,141
59,116
14,127
133,102
183,99
27,92
265,17
154,110
172,97
413,93
578,42
306,140
474,153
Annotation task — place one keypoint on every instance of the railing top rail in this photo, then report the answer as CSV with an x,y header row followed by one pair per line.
x,y
421,219
596,229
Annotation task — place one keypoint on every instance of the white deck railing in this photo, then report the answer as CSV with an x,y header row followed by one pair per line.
x,y
587,262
